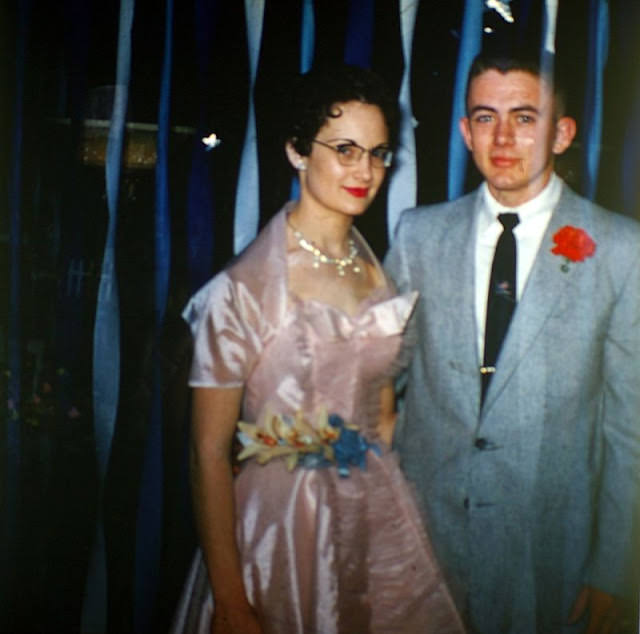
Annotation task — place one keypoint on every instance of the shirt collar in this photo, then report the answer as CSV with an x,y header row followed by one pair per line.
x,y
545,201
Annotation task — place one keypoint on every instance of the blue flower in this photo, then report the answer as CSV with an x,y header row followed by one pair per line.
x,y
351,448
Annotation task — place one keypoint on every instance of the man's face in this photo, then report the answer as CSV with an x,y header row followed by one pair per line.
x,y
512,133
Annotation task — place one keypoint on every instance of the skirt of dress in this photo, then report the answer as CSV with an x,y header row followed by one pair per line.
x,y
323,554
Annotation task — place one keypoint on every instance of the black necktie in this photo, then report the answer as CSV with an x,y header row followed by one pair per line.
x,y
501,300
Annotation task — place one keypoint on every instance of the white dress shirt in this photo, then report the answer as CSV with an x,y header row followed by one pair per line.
x,y
534,217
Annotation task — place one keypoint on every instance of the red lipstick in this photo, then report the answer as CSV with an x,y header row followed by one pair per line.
x,y
358,192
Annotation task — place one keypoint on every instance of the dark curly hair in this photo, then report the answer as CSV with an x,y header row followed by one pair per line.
x,y
316,93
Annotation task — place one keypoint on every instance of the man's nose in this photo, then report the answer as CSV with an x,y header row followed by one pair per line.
x,y
503,133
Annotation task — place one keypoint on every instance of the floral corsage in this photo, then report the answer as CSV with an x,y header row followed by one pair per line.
x,y
330,441
574,244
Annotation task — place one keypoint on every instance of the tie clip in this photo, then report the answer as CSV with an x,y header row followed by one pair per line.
x,y
487,369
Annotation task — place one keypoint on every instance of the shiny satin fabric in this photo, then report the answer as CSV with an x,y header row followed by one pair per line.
x,y
320,553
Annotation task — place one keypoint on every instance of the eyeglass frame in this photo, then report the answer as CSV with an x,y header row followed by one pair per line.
x,y
386,161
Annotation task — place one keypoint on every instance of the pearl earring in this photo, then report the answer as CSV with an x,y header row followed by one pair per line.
x,y
301,166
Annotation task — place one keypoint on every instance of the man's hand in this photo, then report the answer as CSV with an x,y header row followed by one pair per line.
x,y
605,611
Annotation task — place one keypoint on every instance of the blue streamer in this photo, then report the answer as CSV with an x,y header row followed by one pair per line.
x,y
200,199
307,50
358,46
549,21
200,229
106,342
598,51
404,186
631,161
150,505
307,36
247,209
163,229
470,45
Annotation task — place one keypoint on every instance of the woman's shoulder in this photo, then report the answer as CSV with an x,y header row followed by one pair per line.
x,y
253,278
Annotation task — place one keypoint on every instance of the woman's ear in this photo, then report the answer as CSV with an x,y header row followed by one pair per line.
x,y
297,161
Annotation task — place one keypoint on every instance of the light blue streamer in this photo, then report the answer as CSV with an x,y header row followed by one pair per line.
x,y
549,21
106,341
404,185
470,45
247,211
598,52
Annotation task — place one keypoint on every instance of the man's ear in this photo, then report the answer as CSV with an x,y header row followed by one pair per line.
x,y
566,128
465,130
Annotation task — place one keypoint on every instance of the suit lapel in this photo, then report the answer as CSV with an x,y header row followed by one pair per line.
x,y
544,287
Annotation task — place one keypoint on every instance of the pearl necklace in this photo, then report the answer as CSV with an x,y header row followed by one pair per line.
x,y
320,257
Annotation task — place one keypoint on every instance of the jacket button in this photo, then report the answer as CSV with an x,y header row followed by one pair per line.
x,y
481,443
466,503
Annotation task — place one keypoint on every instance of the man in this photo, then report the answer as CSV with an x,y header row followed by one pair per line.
x,y
525,454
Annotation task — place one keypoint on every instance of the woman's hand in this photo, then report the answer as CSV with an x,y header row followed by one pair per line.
x,y
387,418
215,412
236,620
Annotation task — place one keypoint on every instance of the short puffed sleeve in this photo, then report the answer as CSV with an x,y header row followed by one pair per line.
x,y
225,319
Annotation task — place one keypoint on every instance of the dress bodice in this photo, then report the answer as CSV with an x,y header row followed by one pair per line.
x,y
294,354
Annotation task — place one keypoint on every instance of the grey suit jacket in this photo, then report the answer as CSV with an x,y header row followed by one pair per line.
x,y
535,493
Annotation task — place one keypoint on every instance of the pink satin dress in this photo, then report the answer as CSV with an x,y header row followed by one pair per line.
x,y
321,553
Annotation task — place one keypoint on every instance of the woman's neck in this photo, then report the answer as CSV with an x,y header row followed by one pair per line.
x,y
328,231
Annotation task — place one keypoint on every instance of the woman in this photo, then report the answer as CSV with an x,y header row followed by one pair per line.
x,y
300,338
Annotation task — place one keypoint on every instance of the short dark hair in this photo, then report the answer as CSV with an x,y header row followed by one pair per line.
x,y
540,66
316,93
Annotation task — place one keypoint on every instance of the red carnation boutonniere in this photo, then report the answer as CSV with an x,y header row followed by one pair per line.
x,y
574,244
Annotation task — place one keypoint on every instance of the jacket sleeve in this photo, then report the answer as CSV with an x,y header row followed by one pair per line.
x,y
615,556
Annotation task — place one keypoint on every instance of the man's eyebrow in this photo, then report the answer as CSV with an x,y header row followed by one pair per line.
x,y
523,108
481,107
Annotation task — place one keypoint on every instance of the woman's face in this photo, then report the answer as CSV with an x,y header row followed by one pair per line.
x,y
329,186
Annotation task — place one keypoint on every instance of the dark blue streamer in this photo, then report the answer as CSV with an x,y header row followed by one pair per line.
x,y
106,342
200,229
11,496
200,197
360,20
470,44
163,229
307,36
631,161
150,506
598,51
